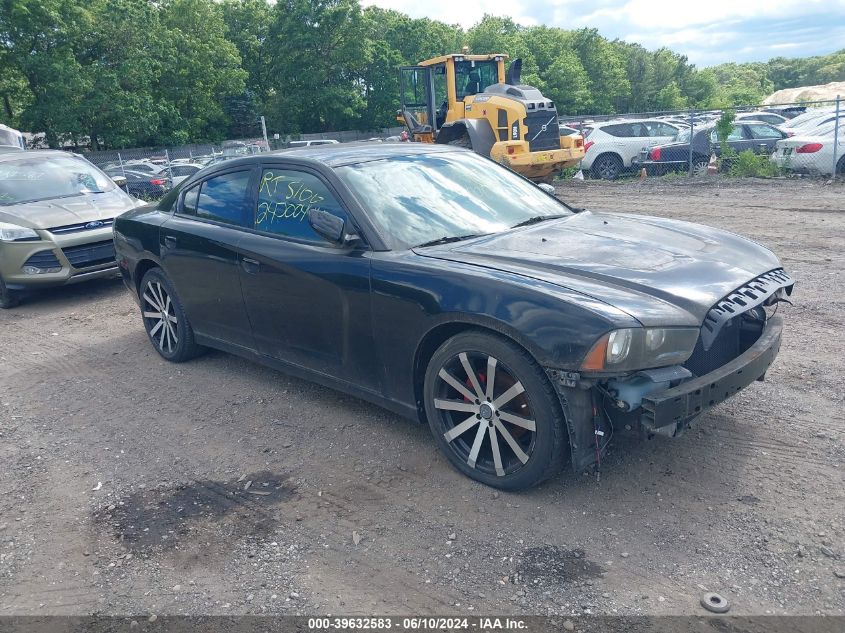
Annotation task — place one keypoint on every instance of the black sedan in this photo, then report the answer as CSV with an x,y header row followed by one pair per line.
x,y
749,135
448,289
142,184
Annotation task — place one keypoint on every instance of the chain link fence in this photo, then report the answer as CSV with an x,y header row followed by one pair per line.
x,y
150,172
767,140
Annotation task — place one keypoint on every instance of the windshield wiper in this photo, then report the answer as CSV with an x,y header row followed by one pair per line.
x,y
449,238
536,219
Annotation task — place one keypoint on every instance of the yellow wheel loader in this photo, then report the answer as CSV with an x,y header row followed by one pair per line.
x,y
469,100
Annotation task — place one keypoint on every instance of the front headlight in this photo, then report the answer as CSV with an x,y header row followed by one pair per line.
x,y
15,233
641,348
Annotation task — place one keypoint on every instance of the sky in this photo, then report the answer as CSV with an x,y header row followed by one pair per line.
x,y
708,33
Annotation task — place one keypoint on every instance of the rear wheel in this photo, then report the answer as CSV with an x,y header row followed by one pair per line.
x,y
493,411
8,298
699,166
607,167
840,166
165,320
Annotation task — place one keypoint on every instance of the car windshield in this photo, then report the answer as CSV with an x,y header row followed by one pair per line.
x,y
33,178
421,198
683,135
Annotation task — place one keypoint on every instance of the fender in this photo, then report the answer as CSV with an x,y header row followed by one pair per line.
x,y
479,131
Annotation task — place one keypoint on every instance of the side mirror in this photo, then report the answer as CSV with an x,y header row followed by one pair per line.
x,y
331,227
120,181
547,188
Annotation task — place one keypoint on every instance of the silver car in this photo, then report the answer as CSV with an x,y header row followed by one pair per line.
x,y
56,215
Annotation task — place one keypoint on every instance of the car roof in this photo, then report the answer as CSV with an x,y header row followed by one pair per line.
x,y
337,155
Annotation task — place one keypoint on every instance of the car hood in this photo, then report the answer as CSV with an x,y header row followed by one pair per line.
x,y
48,214
659,271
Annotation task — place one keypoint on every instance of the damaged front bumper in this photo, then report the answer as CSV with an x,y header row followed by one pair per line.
x,y
668,411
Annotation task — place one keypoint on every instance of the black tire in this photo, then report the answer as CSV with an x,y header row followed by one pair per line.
x,y
461,141
840,167
8,298
465,429
158,296
607,167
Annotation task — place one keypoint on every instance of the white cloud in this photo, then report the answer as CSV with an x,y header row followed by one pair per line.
x,y
720,30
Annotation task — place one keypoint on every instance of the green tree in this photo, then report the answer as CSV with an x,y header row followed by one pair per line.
x,y
37,39
318,50
605,67
567,84
203,68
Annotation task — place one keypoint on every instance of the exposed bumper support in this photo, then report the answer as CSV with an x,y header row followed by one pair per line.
x,y
670,408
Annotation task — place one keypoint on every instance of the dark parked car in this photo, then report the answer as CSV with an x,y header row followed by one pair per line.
x,y
142,184
756,136
446,288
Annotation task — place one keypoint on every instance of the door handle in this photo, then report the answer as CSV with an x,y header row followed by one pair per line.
x,y
170,241
250,265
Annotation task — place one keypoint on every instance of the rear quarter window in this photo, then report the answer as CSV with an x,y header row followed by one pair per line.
x,y
618,129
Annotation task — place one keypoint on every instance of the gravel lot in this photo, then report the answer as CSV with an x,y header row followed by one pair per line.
x,y
123,479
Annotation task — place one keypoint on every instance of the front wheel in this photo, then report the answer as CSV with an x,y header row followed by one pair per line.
x,y
493,411
165,320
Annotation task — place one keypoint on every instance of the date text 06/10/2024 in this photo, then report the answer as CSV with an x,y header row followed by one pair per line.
x,y
417,624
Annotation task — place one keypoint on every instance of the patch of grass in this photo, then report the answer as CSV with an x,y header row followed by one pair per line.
x,y
750,164
674,175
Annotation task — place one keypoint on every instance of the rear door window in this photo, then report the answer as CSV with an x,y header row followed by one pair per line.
x,y
760,131
658,128
221,199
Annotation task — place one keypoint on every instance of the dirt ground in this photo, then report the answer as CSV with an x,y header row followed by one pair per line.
x,y
123,479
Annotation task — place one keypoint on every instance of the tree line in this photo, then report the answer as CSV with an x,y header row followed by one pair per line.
x,y
124,73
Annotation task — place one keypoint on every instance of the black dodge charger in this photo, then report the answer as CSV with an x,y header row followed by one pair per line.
x,y
448,289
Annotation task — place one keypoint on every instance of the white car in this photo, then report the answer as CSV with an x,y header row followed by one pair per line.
x,y
319,141
10,137
812,153
810,119
611,146
765,117
182,171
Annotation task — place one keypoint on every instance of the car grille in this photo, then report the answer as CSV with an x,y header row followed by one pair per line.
x,y
724,348
747,296
43,260
84,226
538,138
90,254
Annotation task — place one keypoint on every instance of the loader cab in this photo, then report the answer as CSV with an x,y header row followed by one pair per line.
x,y
434,91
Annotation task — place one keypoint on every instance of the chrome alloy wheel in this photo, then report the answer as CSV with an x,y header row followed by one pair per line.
x,y
160,317
475,392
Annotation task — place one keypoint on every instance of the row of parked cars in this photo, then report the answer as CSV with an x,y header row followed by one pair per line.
x,y
669,143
